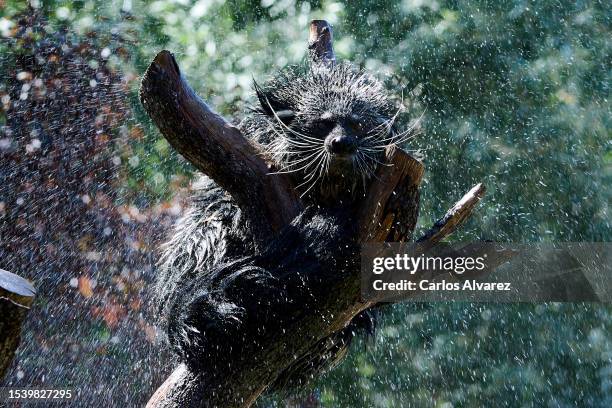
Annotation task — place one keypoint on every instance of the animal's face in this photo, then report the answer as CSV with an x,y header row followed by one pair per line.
x,y
329,127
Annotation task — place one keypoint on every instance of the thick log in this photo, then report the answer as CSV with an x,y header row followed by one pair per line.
x,y
16,297
182,388
217,148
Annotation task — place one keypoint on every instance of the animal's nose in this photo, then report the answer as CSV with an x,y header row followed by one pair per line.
x,y
342,145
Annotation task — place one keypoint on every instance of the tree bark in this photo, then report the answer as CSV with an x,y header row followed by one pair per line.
x,y
16,296
384,217
217,148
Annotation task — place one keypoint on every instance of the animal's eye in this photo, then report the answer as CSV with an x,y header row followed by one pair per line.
x,y
323,126
285,115
356,126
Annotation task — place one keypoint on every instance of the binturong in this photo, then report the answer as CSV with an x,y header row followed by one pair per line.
x,y
327,125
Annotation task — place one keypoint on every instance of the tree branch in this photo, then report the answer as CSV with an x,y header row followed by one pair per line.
x,y
16,297
217,148
455,216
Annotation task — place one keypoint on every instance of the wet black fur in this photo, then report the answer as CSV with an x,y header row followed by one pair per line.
x,y
212,244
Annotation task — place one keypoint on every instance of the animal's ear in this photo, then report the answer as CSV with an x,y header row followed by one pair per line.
x,y
273,107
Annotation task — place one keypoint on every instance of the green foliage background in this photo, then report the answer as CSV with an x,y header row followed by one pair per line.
x,y
515,94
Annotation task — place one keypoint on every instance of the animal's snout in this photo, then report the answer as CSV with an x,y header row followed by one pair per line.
x,y
341,145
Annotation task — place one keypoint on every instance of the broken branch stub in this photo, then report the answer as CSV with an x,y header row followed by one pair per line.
x,y
320,43
454,217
